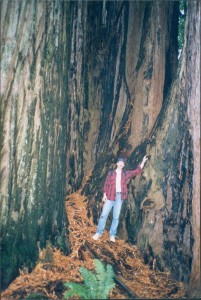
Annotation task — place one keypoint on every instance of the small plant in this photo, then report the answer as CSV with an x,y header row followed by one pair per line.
x,y
96,286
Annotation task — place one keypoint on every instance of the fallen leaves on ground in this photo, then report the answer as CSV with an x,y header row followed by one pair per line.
x,y
48,278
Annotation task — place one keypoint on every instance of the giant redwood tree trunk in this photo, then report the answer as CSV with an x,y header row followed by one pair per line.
x,y
34,105
81,82
161,214
127,46
192,89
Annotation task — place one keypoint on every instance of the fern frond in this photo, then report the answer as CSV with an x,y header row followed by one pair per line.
x,y
110,274
105,276
100,270
101,276
95,286
109,280
75,289
106,291
90,282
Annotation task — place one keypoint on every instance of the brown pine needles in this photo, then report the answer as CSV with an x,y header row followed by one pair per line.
x,y
48,277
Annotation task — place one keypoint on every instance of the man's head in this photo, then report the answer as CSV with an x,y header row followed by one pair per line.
x,y
121,162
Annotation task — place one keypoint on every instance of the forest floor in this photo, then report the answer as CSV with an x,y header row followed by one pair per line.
x,y
47,280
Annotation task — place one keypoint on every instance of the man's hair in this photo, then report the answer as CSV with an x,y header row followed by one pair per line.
x,y
121,159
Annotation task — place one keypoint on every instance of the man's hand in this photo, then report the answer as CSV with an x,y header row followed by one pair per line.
x,y
104,198
143,161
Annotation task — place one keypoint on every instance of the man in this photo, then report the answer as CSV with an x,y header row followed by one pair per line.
x,y
114,193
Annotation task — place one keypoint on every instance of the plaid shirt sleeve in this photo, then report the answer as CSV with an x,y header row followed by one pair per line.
x,y
110,186
133,173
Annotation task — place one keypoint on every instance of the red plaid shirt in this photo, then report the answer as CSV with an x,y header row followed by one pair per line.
x,y
110,183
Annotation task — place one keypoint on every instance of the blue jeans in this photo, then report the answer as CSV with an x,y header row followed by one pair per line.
x,y
108,205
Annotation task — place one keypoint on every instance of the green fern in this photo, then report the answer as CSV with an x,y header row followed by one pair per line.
x,y
109,280
96,286
105,278
90,281
75,289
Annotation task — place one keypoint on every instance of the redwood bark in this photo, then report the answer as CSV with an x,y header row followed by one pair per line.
x,y
83,81
34,107
192,69
162,211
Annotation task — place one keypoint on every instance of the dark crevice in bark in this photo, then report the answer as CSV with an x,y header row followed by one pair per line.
x,y
171,62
